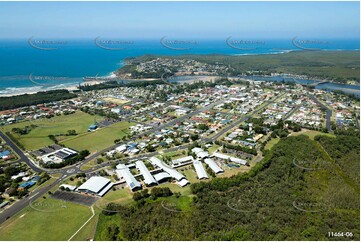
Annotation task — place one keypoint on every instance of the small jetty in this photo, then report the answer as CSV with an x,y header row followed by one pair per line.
x,y
98,78
316,83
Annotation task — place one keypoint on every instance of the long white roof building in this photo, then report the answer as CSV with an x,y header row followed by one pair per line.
x,y
124,172
96,185
213,165
201,172
172,172
233,159
200,153
148,178
182,160
161,176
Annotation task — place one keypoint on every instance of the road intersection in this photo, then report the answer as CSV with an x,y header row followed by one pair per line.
x,y
75,169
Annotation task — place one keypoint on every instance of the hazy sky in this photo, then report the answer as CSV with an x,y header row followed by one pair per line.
x,y
179,19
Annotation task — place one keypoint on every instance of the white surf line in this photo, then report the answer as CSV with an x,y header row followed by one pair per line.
x,y
92,209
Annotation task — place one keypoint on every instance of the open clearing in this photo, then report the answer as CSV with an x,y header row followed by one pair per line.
x,y
98,139
49,219
38,136
312,133
115,100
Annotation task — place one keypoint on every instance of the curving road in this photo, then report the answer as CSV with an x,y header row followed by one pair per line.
x,y
75,169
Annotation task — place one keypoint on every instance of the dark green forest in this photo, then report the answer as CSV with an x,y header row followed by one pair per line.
x,y
34,99
301,190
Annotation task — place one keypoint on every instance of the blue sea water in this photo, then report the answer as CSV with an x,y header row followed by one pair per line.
x,y
71,60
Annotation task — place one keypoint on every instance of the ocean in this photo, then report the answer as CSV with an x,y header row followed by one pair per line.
x,y
31,65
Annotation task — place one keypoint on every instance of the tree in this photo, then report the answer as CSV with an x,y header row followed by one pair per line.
x,y
71,132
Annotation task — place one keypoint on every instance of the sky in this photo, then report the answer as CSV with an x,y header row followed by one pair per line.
x,y
204,20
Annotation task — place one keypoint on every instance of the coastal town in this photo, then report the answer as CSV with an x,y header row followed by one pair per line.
x,y
180,121
107,141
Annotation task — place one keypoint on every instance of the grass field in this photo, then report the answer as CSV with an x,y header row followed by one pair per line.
x,y
53,221
38,137
212,149
91,164
99,139
228,172
88,231
121,196
116,100
312,133
271,143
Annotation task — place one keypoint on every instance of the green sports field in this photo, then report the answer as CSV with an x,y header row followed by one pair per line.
x,y
99,139
47,219
38,137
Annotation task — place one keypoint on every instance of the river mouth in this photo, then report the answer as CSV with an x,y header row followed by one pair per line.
x,y
317,84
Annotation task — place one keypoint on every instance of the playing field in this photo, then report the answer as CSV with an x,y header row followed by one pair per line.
x,y
45,219
116,100
98,139
121,196
38,137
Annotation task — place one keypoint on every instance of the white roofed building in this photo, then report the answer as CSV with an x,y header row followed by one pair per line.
x,y
183,182
221,156
239,161
124,172
233,159
148,178
162,176
172,172
96,185
70,187
213,166
182,160
201,172
121,148
200,153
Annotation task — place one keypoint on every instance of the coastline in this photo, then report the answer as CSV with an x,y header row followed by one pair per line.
x,y
15,91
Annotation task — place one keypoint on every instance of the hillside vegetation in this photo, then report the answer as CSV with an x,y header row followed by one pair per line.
x,y
339,66
292,194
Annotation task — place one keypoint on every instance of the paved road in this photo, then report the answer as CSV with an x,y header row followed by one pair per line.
x,y
328,111
289,114
19,205
74,169
20,153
